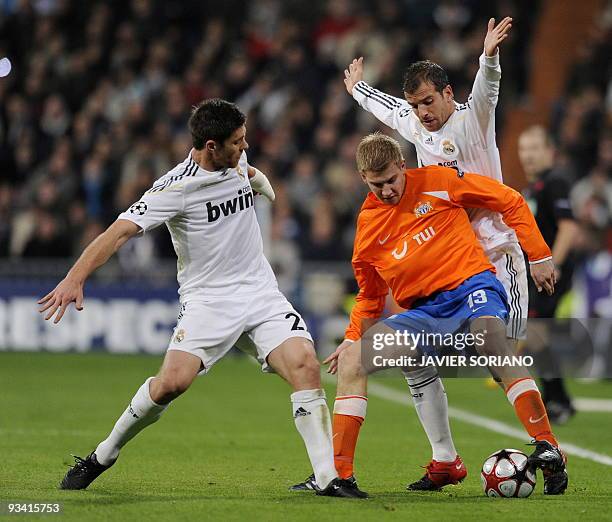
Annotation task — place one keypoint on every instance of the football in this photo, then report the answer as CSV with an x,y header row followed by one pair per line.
x,y
505,474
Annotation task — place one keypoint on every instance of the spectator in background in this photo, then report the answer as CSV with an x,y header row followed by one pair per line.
x,y
102,86
49,239
320,240
597,186
5,218
304,184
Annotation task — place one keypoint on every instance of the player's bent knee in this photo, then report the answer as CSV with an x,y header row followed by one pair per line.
x,y
295,361
174,383
306,363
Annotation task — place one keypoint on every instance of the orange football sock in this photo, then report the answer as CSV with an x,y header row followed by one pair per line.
x,y
524,395
349,414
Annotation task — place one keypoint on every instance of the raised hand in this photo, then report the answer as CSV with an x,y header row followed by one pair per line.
x,y
353,74
66,292
495,35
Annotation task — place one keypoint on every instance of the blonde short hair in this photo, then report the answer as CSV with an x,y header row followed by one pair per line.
x,y
376,151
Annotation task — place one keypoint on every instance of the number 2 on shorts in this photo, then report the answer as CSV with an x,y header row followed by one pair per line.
x,y
296,321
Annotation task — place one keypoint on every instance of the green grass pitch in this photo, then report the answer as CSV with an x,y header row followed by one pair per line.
x,y
228,448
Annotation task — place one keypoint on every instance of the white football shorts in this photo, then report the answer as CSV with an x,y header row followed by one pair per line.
x,y
257,324
511,272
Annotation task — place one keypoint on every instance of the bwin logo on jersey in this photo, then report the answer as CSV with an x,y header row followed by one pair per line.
x,y
243,201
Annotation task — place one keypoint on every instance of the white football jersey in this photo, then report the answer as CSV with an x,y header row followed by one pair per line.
x,y
466,142
214,230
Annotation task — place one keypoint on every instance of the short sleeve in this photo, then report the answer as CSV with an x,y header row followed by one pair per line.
x,y
155,207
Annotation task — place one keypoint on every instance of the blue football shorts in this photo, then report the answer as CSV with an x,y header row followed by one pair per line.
x,y
450,312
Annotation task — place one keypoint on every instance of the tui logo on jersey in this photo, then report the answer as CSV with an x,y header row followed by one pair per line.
x,y
424,235
422,208
243,201
138,208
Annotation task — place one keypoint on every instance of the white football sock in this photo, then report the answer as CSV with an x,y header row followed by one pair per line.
x,y
431,405
140,413
313,421
353,405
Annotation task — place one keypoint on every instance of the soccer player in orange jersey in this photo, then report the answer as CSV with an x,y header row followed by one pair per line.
x,y
414,237
460,136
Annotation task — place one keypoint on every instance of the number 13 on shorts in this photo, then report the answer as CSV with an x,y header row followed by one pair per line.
x,y
479,297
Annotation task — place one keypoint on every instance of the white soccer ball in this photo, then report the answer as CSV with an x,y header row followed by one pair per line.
x,y
505,474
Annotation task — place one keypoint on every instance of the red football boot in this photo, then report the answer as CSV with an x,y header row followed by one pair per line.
x,y
440,474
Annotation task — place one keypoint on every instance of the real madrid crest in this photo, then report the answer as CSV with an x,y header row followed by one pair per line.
x,y
449,148
239,171
179,336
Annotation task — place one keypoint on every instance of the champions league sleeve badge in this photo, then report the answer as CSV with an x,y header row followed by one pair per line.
x,y
138,208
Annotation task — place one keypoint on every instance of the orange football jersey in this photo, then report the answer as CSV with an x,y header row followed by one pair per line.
x,y
425,243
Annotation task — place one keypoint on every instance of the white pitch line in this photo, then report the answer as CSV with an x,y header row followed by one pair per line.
x,y
47,432
383,392
596,405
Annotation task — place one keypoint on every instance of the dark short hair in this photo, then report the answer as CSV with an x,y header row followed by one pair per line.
x,y
424,71
214,119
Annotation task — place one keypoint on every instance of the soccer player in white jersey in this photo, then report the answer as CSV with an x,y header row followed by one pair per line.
x,y
460,136
227,292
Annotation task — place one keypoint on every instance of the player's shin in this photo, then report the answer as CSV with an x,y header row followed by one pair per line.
x,y
140,413
349,408
349,414
521,390
524,395
431,404
312,420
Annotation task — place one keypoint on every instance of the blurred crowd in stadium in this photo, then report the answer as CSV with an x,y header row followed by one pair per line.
x,y
96,106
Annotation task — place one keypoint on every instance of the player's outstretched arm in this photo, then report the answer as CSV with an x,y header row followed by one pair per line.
x,y
369,304
70,289
476,191
393,112
480,118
